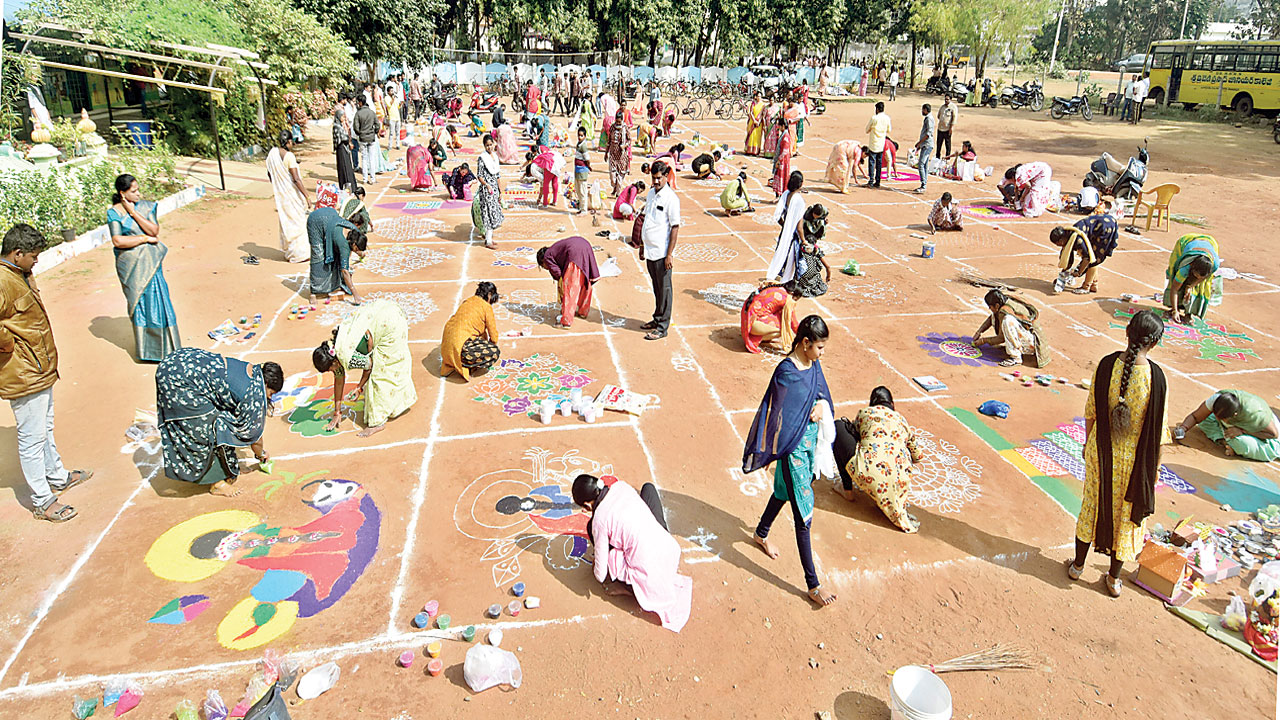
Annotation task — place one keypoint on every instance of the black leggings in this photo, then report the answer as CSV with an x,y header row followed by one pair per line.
x,y
802,526
1082,553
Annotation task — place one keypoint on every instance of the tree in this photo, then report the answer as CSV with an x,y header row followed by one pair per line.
x,y
936,24
392,30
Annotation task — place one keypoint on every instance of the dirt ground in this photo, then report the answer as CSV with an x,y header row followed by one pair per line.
x,y
434,520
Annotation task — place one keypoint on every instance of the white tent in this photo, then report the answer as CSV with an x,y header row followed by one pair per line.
x,y
666,73
471,73
713,74
523,72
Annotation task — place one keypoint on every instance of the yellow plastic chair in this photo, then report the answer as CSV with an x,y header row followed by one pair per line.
x,y
1163,196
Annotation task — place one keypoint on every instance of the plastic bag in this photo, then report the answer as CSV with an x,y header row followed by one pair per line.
x,y
214,707
609,268
129,699
111,691
995,408
1233,618
487,666
186,710
270,666
288,673
83,708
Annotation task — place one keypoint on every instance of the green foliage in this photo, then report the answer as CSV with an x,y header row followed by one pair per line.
x,y
985,25
1093,91
395,30
19,71
1096,34
77,197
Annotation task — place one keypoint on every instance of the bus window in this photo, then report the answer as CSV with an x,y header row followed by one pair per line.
x,y
1224,61
1162,60
1202,61
1269,64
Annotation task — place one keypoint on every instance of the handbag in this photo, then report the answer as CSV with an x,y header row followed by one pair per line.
x,y
637,232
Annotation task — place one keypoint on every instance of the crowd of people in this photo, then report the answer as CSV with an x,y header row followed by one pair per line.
x,y
210,406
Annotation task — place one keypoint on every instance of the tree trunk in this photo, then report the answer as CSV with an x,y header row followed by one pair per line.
x,y
653,51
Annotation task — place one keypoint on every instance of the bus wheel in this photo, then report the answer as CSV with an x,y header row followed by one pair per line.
x,y
1243,105
1190,106
1157,96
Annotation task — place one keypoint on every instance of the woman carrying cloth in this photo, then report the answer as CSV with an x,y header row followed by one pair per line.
x,y
769,314
1124,417
375,340
1241,422
1017,329
883,449
755,125
208,405
292,203
572,264
470,342
793,428
1192,283
135,235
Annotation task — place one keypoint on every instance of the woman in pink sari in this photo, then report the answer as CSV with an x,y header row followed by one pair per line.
x,y
1031,187
634,552
508,150
862,83
418,164
782,156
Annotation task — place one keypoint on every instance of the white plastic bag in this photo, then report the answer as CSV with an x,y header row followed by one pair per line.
x,y
609,268
487,666
1234,618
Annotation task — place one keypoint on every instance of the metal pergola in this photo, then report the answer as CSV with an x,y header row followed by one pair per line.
x,y
225,59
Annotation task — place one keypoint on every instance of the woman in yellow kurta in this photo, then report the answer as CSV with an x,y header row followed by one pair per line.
x,y
375,340
471,336
881,464
755,125
1126,409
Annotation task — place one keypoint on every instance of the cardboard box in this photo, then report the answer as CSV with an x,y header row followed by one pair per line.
x,y
1160,569
1227,568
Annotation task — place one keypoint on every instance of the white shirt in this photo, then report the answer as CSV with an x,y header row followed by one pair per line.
x,y
893,78
661,213
1140,90
1128,90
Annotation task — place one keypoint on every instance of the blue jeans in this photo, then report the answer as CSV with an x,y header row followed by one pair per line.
x,y
37,454
922,165
1127,110
368,162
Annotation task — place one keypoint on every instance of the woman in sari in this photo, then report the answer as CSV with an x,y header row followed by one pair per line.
x,y
135,235
208,405
1030,187
437,152
418,165
292,203
375,340
610,113
508,150
769,120
635,554
331,254
862,81
654,112
618,153
1192,283
1015,322
486,211
587,119
354,210
880,464
572,264
793,428
734,198
782,155
843,164
668,121
1241,423
470,342
755,125
769,314
789,214
1124,418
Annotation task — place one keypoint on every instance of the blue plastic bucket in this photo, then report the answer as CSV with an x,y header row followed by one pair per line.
x,y
140,132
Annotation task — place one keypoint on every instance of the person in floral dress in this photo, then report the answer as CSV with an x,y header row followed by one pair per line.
x,y
881,464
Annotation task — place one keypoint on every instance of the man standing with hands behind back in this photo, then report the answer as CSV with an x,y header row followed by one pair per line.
x,y
28,370
661,225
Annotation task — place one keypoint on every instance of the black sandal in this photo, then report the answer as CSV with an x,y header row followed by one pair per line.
x,y
61,515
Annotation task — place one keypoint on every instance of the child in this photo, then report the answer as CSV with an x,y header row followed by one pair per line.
x,y
454,142
945,215
809,281
476,128
581,171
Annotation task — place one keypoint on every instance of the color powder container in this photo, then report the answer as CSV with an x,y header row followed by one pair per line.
x,y
566,408
421,620
432,608
469,633
514,608
518,589
433,648
442,622
926,250
495,610
435,667
406,659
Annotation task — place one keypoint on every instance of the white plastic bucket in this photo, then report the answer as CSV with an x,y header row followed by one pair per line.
x,y
917,694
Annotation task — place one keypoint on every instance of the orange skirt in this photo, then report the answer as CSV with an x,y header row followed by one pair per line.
x,y
575,294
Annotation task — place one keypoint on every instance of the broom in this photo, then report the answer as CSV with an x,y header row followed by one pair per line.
x,y
1000,657
979,280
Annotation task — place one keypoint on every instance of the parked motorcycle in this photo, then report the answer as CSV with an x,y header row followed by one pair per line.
x,y
959,91
1063,107
1028,94
989,97
483,100
1120,180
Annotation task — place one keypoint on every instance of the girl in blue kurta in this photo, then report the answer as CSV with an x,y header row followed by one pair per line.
x,y
786,432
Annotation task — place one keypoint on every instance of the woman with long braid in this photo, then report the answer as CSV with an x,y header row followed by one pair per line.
x,y
1124,427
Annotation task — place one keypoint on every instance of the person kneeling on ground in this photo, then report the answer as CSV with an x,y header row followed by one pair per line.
x,y
375,340
208,405
634,552
1092,240
572,264
1017,331
945,214
876,451
331,254
734,198
457,181
704,165
470,342
625,206
769,314
1242,423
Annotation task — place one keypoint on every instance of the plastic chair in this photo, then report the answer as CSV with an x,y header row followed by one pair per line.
x,y
1163,196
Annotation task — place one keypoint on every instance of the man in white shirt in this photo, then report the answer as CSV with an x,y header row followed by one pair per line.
x,y
1127,109
1139,96
878,129
658,242
893,84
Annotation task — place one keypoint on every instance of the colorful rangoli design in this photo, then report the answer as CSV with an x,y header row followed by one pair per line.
x,y
419,207
306,402
522,510
416,306
1060,453
1211,341
955,349
989,211
292,571
519,386
704,252
398,260
521,258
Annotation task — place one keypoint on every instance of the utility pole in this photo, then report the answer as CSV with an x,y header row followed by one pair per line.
x,y
1182,30
1053,57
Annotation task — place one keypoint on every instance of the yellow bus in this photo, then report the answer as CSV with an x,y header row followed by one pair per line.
x,y
1192,72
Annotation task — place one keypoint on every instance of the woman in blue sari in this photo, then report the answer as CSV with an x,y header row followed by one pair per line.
x,y
208,405
135,233
794,430
331,251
